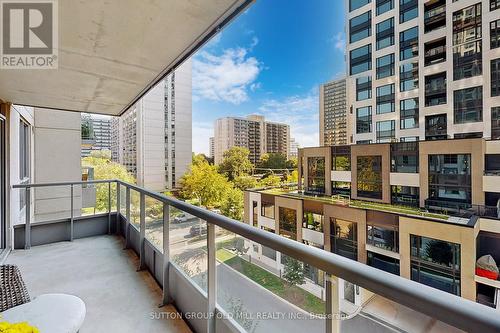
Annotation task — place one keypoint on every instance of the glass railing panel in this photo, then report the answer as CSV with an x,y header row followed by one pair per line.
x,y
135,208
154,222
265,291
95,198
123,200
114,195
188,246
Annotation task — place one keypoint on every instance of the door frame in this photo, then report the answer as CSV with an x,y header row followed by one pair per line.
x,y
4,239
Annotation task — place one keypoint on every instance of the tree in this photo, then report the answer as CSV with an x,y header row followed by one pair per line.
x,y
103,153
292,163
293,177
235,162
232,204
204,183
293,271
271,181
245,182
272,161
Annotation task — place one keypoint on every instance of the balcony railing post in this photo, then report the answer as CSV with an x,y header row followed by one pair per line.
x,y
332,304
212,277
109,207
27,229
127,217
166,252
142,232
71,230
118,206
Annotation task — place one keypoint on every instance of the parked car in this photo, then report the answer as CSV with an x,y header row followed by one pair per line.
x,y
183,217
198,230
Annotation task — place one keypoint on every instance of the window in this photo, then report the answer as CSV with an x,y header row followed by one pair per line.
x,y
385,33
267,209
385,99
369,176
405,196
255,212
467,60
355,4
495,77
404,157
408,10
385,263
495,123
344,238
364,120
384,6
436,127
467,55
435,263
408,76
361,59
288,222
409,139
360,27
341,158
495,34
316,175
363,88
408,113
312,221
386,131
363,142
494,4
382,230
434,15
468,105
450,178
435,89
385,66
408,44
435,52
468,135
342,188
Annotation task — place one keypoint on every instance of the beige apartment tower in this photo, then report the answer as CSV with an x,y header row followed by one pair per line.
x,y
252,132
333,127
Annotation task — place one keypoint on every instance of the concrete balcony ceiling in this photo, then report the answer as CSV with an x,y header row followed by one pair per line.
x,y
111,52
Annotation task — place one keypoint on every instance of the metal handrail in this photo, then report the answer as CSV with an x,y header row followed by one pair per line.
x,y
448,308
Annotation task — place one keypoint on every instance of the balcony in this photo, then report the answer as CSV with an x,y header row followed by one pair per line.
x,y
200,272
435,16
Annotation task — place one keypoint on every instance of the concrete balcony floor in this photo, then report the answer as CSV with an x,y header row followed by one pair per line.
x,y
104,276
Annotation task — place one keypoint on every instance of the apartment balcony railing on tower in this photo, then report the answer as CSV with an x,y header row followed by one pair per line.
x,y
202,268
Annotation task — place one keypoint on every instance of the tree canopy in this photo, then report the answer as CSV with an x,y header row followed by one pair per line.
x,y
236,163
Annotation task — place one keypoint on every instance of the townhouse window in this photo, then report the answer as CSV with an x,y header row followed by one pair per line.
x,y
355,4
369,176
385,66
384,6
405,196
344,238
385,98
385,33
494,4
435,263
384,263
450,179
312,221
341,158
341,188
408,113
364,120
408,44
267,209
288,223
404,157
468,105
360,27
435,89
495,77
436,127
255,214
363,88
435,52
386,131
408,10
361,59
316,175
495,34
408,76
382,230
495,123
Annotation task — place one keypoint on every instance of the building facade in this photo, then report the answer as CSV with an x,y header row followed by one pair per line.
x,y
211,147
154,137
423,210
96,133
253,132
423,70
294,148
333,126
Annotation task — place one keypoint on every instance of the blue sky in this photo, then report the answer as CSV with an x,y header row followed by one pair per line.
x,y
270,61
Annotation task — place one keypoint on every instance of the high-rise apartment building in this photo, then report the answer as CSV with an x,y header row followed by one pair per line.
x,y
211,147
333,127
294,148
96,133
252,132
154,136
423,70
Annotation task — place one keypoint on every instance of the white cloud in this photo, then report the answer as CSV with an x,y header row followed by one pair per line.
x,y
300,112
202,131
339,41
225,77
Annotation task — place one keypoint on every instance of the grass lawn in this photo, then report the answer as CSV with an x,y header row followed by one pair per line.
x,y
273,283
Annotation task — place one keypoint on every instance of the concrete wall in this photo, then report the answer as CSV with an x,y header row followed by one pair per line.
x,y
57,144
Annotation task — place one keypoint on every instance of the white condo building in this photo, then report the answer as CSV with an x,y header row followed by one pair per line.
x,y
423,70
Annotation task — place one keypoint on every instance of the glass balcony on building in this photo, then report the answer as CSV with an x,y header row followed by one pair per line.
x,y
434,15
435,52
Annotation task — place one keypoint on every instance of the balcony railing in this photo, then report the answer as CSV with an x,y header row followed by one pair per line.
x,y
130,221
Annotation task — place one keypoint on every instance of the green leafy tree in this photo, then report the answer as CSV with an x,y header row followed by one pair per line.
x,y
293,271
235,163
245,182
103,153
232,204
293,177
272,161
292,163
204,183
270,181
